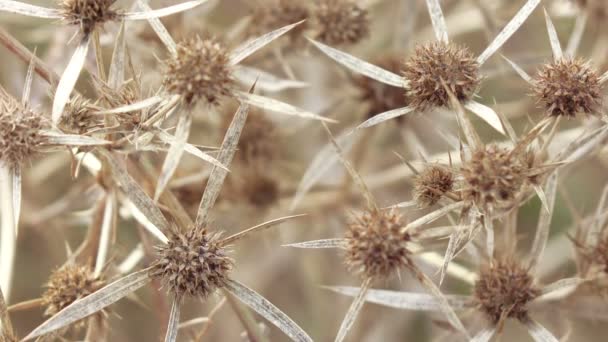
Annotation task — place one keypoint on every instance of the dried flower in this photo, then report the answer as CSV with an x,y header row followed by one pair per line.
x,y
87,13
436,62
19,132
66,285
340,22
79,117
376,244
504,289
567,87
431,184
200,70
276,14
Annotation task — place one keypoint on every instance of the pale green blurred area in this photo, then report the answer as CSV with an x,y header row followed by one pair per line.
x,y
291,278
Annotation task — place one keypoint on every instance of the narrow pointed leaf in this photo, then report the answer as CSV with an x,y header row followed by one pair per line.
x,y
267,103
107,226
18,7
553,38
139,105
544,222
413,226
8,239
353,310
538,332
193,150
162,12
17,192
406,204
438,20
53,138
519,71
92,303
559,289
385,116
127,265
262,226
361,67
69,78
174,155
471,136
265,80
248,48
117,66
160,29
488,225
508,30
29,78
267,310
173,324
145,222
487,114
324,243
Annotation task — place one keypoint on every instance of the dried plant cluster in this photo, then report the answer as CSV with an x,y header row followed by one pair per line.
x,y
199,161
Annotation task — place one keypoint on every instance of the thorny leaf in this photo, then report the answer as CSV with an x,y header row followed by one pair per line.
x,y
413,226
382,117
117,65
324,243
553,39
173,324
250,47
262,226
524,75
273,105
29,78
485,113
174,155
132,107
353,310
162,12
544,222
559,289
265,80
438,20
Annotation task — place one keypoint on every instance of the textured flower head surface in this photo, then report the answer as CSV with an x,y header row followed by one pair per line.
x,y
436,63
19,132
67,284
340,22
568,87
272,15
87,13
432,183
200,71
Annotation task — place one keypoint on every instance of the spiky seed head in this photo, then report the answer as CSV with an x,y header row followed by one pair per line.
x,y
493,177
504,289
87,13
430,64
78,116
192,264
568,87
340,22
200,71
66,285
431,184
376,246
19,132
126,94
382,97
273,15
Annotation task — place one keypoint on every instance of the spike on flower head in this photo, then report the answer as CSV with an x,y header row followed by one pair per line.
x,y
340,22
431,184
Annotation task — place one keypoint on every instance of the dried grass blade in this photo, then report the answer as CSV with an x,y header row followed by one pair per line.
x,y
262,226
8,238
267,310
267,103
544,222
538,332
559,289
367,194
173,323
362,67
92,303
324,243
385,116
353,310
174,155
162,12
265,80
486,114
69,78
250,47
217,176
556,48
117,66
29,10
485,335
438,20
160,29
508,30
524,75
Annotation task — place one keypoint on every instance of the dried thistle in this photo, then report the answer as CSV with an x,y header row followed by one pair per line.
x,y
438,62
567,87
431,184
258,143
79,117
275,14
87,13
19,132
200,71
504,289
376,246
340,22
192,264
493,177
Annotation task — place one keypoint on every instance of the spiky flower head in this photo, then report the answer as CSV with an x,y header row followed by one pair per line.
x,y
200,71
87,13
431,184
79,116
493,177
192,264
275,14
19,132
340,22
436,62
376,246
67,284
382,97
504,289
567,87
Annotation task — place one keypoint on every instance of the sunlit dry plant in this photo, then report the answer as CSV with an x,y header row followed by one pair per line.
x,y
340,22
273,14
432,183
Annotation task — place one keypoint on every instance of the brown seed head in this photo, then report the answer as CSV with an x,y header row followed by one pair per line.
x,y
503,290
67,284
380,96
340,22
19,132
431,184
376,246
493,177
78,116
434,62
87,13
273,15
568,87
199,71
192,264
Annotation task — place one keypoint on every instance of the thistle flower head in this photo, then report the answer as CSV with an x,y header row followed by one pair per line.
x,y
276,14
200,71
436,62
376,246
503,290
431,184
19,132
78,116
340,22
66,285
493,177
87,13
567,87
192,264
